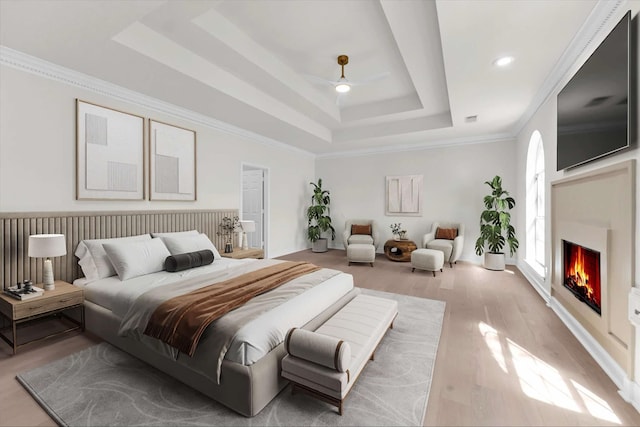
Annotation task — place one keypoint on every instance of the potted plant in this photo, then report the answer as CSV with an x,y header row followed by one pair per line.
x,y
396,230
495,227
227,227
319,221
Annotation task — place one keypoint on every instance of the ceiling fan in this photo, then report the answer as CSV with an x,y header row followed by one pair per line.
x,y
343,85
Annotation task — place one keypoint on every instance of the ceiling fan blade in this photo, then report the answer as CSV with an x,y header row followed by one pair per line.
x,y
339,98
319,80
371,79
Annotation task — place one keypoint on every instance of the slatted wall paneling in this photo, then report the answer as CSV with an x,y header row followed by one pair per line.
x,y
15,229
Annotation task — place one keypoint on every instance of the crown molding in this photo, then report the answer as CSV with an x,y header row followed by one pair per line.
x,y
33,65
600,17
445,143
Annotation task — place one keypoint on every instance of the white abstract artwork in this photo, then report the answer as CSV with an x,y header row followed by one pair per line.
x,y
110,154
172,159
404,195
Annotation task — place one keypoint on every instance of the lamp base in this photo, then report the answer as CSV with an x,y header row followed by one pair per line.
x,y
47,276
245,243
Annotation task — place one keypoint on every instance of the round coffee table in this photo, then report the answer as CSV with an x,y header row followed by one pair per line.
x,y
399,250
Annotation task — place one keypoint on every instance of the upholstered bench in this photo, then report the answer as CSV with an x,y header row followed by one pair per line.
x,y
326,363
359,252
427,259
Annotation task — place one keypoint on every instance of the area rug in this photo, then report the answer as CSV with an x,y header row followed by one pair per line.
x,y
104,386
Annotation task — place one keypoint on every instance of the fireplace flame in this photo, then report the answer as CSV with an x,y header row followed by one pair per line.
x,y
577,272
582,274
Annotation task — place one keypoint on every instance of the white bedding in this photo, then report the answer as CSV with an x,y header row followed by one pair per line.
x,y
252,341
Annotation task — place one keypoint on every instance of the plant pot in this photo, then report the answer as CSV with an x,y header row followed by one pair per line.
x,y
320,245
494,261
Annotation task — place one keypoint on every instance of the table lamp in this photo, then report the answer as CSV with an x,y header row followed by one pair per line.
x,y
247,227
46,246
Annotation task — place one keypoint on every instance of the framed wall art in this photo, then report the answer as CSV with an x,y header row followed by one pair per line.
x,y
109,154
172,162
404,195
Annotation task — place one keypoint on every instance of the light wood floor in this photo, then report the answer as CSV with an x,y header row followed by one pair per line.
x,y
504,357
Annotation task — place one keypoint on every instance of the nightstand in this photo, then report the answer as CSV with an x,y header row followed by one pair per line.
x,y
244,253
64,297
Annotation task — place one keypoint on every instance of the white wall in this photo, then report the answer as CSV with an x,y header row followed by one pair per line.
x,y
37,160
453,187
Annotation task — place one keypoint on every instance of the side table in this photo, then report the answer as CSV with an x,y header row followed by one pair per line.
x,y
64,297
399,250
244,253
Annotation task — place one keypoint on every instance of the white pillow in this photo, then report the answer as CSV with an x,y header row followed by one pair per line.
x,y
176,234
183,244
93,259
133,259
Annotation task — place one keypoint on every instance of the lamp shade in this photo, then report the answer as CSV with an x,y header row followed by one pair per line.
x,y
47,245
248,226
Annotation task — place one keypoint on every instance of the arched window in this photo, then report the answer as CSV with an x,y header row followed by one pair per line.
x,y
535,248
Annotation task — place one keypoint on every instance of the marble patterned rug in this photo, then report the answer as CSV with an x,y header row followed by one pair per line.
x,y
105,386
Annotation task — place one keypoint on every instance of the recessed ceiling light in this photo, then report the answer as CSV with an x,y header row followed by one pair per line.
x,y
503,61
471,119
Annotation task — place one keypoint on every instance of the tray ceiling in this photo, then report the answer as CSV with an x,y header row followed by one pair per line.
x,y
248,63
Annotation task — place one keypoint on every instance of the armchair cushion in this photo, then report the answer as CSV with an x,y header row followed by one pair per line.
x,y
361,229
446,233
360,239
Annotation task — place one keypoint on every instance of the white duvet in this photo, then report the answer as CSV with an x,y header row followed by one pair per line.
x,y
253,340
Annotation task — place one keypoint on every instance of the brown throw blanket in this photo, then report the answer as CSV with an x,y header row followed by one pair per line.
x,y
181,321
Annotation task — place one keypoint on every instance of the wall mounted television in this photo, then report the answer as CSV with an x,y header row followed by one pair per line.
x,y
593,107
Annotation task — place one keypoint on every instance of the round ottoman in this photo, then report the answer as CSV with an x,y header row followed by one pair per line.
x,y
359,252
427,259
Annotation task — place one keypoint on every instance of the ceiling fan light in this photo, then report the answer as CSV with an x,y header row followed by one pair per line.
x,y
503,61
343,87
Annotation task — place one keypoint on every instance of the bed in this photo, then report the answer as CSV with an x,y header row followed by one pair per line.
x,y
248,375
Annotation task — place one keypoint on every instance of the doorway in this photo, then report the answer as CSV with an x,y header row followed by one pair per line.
x,y
254,203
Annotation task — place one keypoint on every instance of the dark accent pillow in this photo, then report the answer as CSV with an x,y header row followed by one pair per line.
x,y
188,260
446,233
361,229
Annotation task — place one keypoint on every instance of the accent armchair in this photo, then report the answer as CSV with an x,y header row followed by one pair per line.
x,y
362,239
447,237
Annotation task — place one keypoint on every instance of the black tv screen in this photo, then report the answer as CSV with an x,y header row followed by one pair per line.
x,y
593,107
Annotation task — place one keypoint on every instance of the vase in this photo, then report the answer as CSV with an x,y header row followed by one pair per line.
x,y
228,248
402,235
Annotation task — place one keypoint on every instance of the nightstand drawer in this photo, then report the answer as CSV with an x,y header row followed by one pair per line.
x,y
43,305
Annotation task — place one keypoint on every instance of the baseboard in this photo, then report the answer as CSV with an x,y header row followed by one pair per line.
x,y
534,279
627,389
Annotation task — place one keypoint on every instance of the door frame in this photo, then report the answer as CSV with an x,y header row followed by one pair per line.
x,y
266,198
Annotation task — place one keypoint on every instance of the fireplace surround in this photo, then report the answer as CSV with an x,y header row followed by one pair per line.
x,y
595,210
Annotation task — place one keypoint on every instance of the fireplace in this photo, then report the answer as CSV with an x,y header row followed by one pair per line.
x,y
582,273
